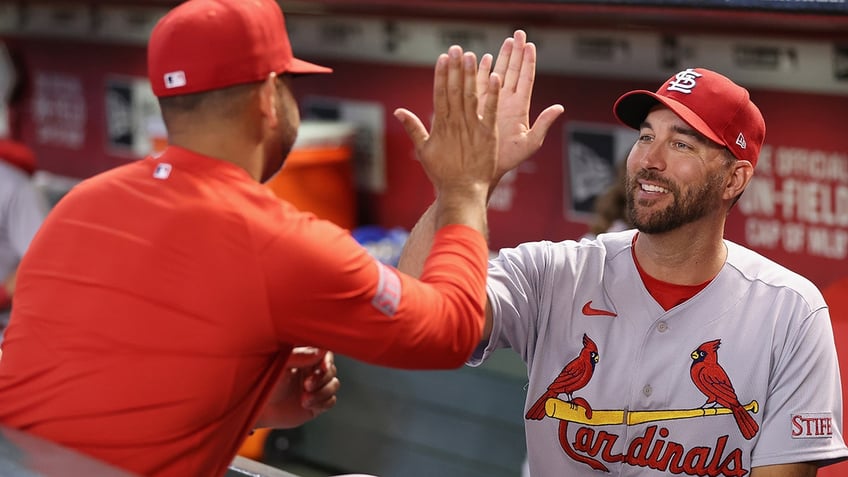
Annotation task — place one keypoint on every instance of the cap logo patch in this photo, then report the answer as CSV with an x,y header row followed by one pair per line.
x,y
175,79
162,171
740,141
684,82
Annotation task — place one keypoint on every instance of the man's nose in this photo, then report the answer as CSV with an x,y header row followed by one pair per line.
x,y
653,156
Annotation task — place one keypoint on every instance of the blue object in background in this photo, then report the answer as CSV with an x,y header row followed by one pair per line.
x,y
383,244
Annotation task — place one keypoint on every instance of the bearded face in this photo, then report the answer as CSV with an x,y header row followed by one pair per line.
x,y
689,202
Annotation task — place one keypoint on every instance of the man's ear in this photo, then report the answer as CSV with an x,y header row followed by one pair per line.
x,y
268,100
741,173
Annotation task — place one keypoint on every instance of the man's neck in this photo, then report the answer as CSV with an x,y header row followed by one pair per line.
x,y
223,146
689,255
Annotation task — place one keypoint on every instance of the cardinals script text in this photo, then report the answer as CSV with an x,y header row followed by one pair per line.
x,y
652,450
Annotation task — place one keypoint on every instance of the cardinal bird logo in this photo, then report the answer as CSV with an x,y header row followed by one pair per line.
x,y
573,376
709,377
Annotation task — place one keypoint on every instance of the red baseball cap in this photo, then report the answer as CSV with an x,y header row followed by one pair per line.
x,y
203,45
18,154
711,103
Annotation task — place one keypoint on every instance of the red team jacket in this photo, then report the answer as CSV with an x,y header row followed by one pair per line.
x,y
159,301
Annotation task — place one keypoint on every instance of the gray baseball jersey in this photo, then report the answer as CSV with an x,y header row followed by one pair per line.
x,y
22,209
743,374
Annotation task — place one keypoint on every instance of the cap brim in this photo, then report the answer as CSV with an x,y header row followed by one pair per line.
x,y
632,108
300,67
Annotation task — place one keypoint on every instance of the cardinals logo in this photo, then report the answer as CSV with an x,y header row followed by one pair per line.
x,y
590,442
573,376
709,377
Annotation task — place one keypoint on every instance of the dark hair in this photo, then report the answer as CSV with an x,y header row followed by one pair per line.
x,y
611,205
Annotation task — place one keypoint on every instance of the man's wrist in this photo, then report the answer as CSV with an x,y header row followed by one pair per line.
x,y
463,191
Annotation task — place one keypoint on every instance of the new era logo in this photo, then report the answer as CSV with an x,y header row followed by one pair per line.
x,y
740,141
175,79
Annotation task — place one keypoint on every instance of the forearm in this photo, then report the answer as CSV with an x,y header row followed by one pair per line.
x,y
445,210
449,301
801,469
464,205
417,249
418,244
438,319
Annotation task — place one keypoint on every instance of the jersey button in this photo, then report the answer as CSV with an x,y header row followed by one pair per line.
x,y
647,390
662,327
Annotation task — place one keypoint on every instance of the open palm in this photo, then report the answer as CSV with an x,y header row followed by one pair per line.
x,y
516,65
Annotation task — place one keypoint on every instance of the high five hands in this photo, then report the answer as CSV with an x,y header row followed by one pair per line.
x,y
513,76
516,65
460,149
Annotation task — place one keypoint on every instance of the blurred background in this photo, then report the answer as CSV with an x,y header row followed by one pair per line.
x,y
73,89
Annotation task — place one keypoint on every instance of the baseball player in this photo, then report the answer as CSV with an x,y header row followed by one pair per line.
x,y
159,305
666,350
22,210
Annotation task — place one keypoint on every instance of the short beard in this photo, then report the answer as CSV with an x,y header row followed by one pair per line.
x,y
695,204
278,156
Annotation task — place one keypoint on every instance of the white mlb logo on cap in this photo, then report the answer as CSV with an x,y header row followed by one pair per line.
x,y
175,79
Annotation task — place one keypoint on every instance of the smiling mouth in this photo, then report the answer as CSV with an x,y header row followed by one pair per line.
x,y
653,188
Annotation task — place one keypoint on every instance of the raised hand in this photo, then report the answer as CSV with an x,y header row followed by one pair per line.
x,y
460,151
516,64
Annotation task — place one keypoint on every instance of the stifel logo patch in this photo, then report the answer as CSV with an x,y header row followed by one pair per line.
x,y
812,425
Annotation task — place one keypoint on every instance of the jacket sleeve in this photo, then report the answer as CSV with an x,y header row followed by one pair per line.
x,y
325,290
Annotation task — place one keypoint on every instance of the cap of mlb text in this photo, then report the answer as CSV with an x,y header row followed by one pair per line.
x,y
203,45
711,103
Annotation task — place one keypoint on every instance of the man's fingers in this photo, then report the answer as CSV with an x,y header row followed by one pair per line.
x,y
527,75
513,69
502,62
413,126
483,73
482,83
321,383
490,108
321,374
305,356
321,401
469,74
543,123
321,386
455,81
440,86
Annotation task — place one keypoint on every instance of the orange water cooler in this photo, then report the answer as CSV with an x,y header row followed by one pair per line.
x,y
318,173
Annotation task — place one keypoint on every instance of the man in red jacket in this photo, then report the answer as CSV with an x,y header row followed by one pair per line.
x,y
159,304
